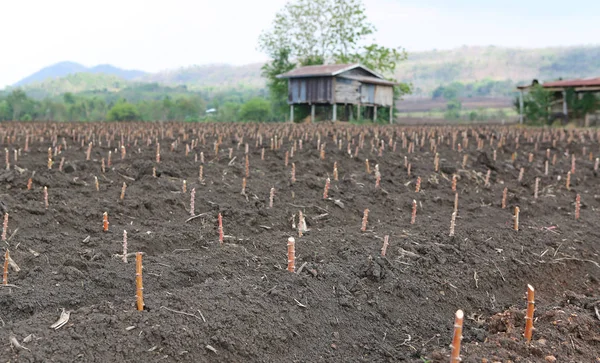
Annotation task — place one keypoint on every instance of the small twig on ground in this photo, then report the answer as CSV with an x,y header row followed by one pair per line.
x,y
300,304
501,275
476,279
301,267
10,285
12,235
231,161
597,312
211,348
202,315
127,177
196,216
182,313
15,343
577,259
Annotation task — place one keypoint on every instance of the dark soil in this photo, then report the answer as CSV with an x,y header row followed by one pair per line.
x,y
236,302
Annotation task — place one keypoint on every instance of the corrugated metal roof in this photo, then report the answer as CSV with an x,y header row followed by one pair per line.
x,y
327,70
371,80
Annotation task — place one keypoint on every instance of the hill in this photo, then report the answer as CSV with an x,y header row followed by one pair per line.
x,y
64,69
428,70
483,71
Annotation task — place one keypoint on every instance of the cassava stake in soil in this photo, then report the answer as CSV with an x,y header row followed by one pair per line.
x,y
457,337
504,195
5,227
291,254
138,282
365,220
413,217
123,191
45,197
105,222
5,271
529,315
386,242
517,210
221,236
577,209
326,190
125,246
193,200
418,185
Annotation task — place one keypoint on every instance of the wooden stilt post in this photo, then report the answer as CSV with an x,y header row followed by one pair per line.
x,y
334,118
565,110
312,113
521,106
292,113
392,113
358,115
374,113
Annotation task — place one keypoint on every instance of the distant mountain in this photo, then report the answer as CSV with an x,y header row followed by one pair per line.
x,y
212,75
425,70
63,69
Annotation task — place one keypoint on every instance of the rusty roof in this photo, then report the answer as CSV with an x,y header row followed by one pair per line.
x,y
569,83
327,70
590,82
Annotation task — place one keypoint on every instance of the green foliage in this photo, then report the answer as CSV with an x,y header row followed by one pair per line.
x,y
257,109
320,31
536,105
483,88
453,108
123,111
278,88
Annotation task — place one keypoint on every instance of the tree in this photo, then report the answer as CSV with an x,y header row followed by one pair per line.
x,y
257,109
536,105
123,111
326,31
278,91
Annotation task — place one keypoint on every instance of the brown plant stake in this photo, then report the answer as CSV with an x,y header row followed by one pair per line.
x,y
123,190
243,186
368,168
386,242
326,190
457,337
521,174
456,202
5,271
365,220
157,153
184,186
46,197
529,315
413,217
418,185
291,254
504,195
293,176
221,236
105,221
465,158
88,154
568,182
5,227
335,171
572,163
487,178
139,294
125,246
454,179
193,201
271,197
577,208
452,223
517,210
29,183
536,189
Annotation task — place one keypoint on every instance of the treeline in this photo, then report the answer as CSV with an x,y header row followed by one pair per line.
x,y
145,102
483,88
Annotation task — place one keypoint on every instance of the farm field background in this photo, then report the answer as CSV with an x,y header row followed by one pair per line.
x,y
235,302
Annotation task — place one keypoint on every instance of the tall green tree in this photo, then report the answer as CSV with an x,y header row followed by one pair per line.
x,y
278,88
123,111
257,109
311,32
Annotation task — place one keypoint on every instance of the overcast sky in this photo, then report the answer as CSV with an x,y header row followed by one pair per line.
x,y
156,35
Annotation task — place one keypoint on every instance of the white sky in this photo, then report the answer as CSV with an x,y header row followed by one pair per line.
x,y
156,35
